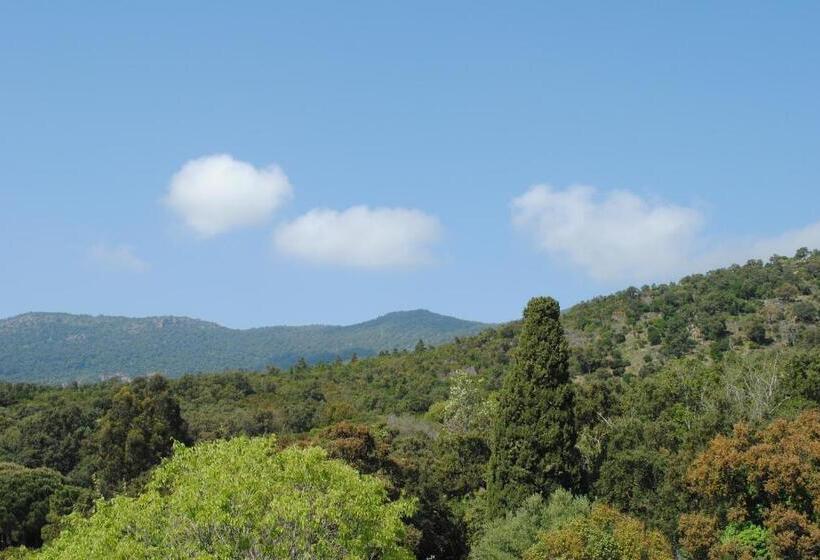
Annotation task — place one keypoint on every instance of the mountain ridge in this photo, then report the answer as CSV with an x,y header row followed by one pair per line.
x,y
59,347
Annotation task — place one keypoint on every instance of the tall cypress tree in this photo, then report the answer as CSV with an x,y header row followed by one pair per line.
x,y
534,437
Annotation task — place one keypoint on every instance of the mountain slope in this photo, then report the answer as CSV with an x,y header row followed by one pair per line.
x,y
58,347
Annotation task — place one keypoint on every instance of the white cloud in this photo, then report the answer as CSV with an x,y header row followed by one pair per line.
x,y
360,237
787,243
614,235
784,244
617,235
118,257
215,194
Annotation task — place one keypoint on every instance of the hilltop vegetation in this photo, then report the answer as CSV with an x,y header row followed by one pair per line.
x,y
688,414
59,348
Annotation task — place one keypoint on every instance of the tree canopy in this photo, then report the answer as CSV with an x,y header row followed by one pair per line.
x,y
242,498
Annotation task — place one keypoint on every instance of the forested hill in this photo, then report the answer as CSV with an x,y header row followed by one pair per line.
x,y
755,305
634,331
689,412
58,347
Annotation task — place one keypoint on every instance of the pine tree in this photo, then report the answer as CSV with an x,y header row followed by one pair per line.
x,y
534,436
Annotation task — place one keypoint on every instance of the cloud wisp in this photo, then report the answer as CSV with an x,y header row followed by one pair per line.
x,y
609,235
361,237
216,194
619,236
118,257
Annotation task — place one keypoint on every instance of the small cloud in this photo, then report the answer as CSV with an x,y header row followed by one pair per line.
x,y
360,237
613,235
784,244
118,257
617,235
216,194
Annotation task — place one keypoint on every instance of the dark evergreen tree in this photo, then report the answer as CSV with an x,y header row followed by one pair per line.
x,y
137,432
534,439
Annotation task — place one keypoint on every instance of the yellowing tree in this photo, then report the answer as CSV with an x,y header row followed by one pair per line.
x,y
242,498
762,486
603,534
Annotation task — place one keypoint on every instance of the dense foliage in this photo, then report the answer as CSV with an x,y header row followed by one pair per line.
x,y
242,499
30,500
691,436
59,348
758,482
534,440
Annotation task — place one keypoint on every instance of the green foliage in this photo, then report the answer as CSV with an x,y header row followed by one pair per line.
x,y
713,311
508,537
749,539
58,347
534,440
468,408
243,499
602,534
657,372
762,478
29,499
137,431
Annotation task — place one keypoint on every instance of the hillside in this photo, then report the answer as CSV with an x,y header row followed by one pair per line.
x,y
755,305
56,347
660,375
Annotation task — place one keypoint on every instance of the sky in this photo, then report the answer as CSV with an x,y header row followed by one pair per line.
x,y
260,163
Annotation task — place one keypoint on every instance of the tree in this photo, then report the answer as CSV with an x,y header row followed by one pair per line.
x,y
468,410
756,331
604,534
137,432
27,498
241,498
756,482
508,537
534,436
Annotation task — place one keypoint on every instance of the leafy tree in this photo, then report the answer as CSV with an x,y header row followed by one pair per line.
x,y
534,437
805,312
756,331
56,437
432,472
357,445
239,499
508,537
603,534
27,500
468,409
769,479
137,432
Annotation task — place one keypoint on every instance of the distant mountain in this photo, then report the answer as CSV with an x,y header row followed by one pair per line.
x,y
59,347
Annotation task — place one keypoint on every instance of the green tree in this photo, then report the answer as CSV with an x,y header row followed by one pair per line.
x,y
507,538
239,499
468,408
534,436
137,432
27,498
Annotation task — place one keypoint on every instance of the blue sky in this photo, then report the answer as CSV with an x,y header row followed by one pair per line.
x,y
255,164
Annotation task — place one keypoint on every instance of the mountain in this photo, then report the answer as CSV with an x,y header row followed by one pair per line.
x,y
60,347
760,304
